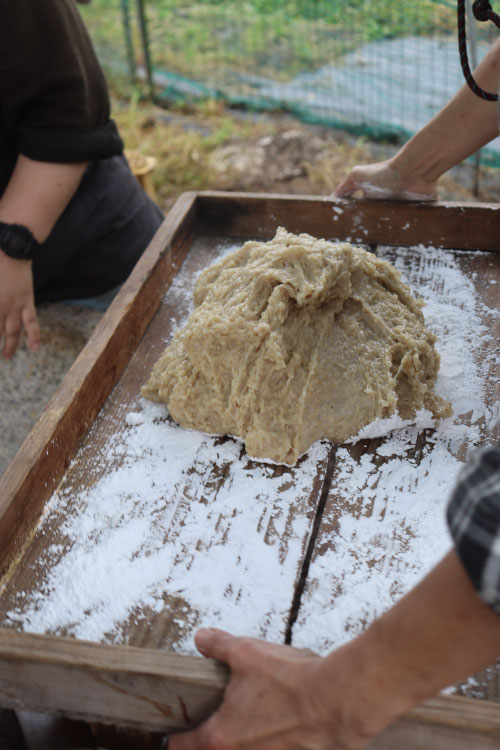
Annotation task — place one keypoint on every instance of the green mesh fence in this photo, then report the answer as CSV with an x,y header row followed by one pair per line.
x,y
373,67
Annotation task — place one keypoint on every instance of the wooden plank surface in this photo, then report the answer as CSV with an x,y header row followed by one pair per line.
x,y
133,687
468,226
444,723
145,689
42,459
384,521
276,526
242,524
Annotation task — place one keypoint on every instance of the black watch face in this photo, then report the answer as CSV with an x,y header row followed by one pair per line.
x,y
18,243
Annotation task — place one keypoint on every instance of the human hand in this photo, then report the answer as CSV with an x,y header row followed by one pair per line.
x,y
383,180
17,305
277,699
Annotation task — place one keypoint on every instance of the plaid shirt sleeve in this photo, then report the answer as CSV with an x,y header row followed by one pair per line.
x,y
473,516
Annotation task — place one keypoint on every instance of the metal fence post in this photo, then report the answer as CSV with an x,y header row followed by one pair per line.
x,y
128,40
143,26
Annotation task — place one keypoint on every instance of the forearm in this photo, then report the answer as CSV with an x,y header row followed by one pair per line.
x,y
463,126
278,696
37,194
439,633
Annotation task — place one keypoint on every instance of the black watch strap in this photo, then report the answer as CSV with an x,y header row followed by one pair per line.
x,y
17,241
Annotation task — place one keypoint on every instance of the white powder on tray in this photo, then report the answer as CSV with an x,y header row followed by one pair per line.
x,y
136,542
389,528
150,533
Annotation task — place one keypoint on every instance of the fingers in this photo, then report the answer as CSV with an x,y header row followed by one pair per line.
x,y
12,327
382,181
242,653
379,180
30,322
347,187
369,179
214,643
261,696
371,185
12,334
17,305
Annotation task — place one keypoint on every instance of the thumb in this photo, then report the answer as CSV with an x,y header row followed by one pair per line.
x,y
347,187
214,643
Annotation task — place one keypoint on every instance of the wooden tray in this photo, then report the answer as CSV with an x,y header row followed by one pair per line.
x,y
144,684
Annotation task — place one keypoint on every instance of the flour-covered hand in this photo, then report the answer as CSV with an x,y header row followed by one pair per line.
x,y
384,180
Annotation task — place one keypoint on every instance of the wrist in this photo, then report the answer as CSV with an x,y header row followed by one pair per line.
x,y
396,682
7,262
18,242
414,164
348,698
373,692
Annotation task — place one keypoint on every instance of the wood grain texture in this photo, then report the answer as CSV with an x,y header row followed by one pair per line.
x,y
444,723
135,687
384,521
144,689
484,271
40,462
112,683
453,225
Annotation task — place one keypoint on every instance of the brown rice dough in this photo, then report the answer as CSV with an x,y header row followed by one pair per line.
x,y
294,340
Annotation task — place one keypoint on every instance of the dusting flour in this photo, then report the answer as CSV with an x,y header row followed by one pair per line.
x,y
185,521
154,533
384,527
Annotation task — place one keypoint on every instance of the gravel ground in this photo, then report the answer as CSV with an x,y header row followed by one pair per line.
x,y
29,379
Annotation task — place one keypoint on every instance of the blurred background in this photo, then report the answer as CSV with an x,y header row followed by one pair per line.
x,y
375,70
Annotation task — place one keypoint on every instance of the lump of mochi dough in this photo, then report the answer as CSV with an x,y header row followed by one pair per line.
x,y
294,340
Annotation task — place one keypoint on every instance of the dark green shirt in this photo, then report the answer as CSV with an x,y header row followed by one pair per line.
x,y
54,103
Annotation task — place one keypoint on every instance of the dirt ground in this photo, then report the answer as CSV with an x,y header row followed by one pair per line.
x,y
313,161
217,148
305,159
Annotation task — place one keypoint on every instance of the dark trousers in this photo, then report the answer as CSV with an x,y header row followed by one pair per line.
x,y
99,237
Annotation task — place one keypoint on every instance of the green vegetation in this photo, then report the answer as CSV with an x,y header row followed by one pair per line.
x,y
223,43
220,39
183,141
278,38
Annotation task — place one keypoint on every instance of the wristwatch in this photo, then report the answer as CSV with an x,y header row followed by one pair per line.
x,y
17,241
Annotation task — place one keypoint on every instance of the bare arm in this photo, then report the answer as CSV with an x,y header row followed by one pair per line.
x,y
462,127
37,194
437,634
281,698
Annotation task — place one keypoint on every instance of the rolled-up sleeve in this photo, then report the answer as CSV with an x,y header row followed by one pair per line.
x,y
473,516
53,95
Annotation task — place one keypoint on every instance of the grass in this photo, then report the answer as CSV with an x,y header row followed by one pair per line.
x,y
218,40
183,140
187,143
